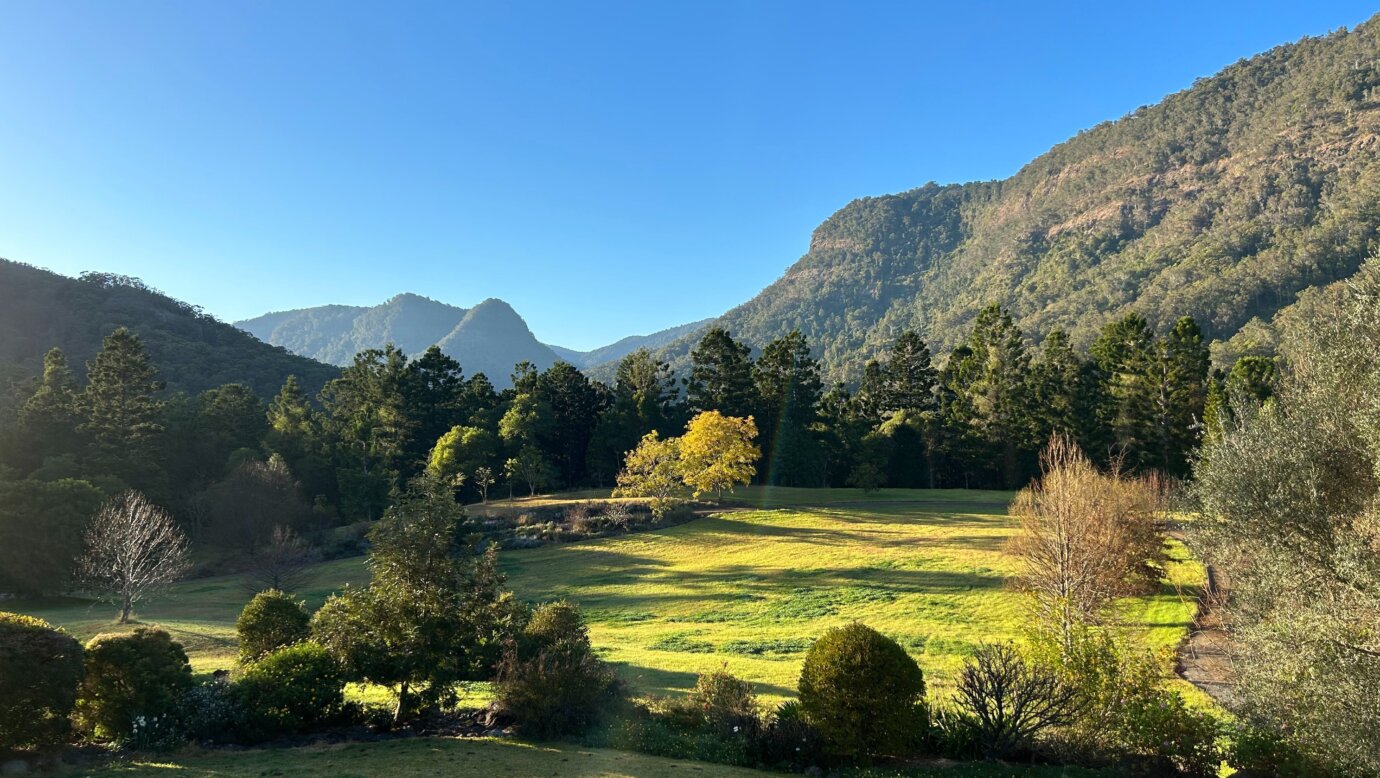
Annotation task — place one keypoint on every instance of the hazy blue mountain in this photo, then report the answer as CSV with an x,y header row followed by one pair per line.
x,y
616,351
489,338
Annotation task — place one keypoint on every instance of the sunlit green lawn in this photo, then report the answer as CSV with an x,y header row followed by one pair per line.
x,y
750,587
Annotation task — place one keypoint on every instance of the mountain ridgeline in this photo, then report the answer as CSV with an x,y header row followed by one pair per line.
x,y
193,351
1223,201
489,338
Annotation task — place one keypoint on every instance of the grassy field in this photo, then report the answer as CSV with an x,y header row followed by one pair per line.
x,y
487,758
414,757
750,587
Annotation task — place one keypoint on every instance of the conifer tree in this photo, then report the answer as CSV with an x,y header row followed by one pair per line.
x,y
120,407
908,379
721,376
50,416
788,389
1000,393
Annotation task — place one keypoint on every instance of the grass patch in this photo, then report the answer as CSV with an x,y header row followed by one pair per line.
x,y
742,588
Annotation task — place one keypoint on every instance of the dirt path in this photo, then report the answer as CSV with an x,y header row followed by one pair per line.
x,y
1204,658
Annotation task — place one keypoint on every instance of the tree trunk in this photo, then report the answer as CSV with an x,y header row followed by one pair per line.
x,y
125,607
400,711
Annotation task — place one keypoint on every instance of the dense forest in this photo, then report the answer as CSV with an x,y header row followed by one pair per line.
x,y
40,310
234,468
1223,202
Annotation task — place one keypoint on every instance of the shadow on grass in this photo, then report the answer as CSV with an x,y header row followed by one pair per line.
x,y
654,680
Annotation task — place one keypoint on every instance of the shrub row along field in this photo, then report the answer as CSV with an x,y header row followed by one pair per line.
x,y
750,587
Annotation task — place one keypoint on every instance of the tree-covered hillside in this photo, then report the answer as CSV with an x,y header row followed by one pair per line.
x,y
1223,201
40,310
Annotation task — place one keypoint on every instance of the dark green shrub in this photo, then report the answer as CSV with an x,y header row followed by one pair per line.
x,y
789,742
863,692
292,690
555,623
269,622
40,668
133,686
954,734
551,682
1262,753
211,712
1164,727
660,732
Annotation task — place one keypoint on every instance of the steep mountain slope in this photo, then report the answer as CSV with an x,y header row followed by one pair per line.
x,y
335,333
616,351
1223,201
489,338
40,309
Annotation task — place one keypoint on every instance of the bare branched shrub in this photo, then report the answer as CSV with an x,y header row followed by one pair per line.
x,y
1011,700
133,550
283,563
618,514
1086,538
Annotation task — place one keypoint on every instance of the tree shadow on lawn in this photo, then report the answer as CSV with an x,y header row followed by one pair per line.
x,y
655,680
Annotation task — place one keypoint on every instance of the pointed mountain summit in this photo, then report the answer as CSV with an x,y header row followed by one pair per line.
x,y
489,338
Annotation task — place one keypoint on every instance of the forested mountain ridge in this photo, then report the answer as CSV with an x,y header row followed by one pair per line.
x,y
489,338
40,310
1223,201
610,354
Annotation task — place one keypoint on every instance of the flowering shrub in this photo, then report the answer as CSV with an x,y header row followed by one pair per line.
x,y
133,682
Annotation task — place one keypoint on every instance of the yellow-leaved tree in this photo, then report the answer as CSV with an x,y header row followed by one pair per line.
x,y
717,452
652,470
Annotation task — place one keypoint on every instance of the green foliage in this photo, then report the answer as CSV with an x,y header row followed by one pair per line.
x,y
40,310
1120,705
721,376
1196,205
551,682
291,690
726,703
552,624
653,470
134,684
1288,493
40,668
788,387
434,612
1182,738
1260,752
43,523
461,451
212,712
120,412
270,621
863,692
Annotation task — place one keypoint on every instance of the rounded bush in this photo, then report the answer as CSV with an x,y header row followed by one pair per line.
x,y
269,622
556,685
554,625
133,685
292,690
40,669
863,692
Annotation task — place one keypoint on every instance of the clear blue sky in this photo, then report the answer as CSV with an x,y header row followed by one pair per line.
x,y
608,168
